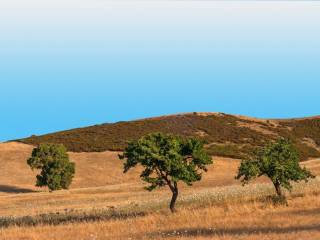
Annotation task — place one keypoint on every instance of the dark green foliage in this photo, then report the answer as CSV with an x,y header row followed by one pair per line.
x,y
215,130
279,161
56,169
166,160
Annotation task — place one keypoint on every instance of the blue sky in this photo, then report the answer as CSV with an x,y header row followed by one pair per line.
x,y
67,64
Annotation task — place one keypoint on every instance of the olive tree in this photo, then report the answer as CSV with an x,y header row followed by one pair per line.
x,y
56,169
166,160
279,161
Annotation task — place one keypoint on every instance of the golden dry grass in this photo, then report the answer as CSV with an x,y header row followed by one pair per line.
x,y
243,220
216,208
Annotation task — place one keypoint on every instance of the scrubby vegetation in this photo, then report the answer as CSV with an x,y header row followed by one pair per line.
x,y
56,169
305,129
225,135
167,160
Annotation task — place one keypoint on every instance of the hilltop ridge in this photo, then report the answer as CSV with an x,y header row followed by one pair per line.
x,y
225,134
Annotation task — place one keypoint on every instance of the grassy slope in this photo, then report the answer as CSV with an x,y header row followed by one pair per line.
x,y
99,179
226,135
212,209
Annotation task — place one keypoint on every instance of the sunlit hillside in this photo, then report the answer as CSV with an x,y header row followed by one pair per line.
x,y
104,203
225,135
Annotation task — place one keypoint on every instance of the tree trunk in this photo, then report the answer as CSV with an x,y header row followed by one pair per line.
x,y
278,188
175,193
281,198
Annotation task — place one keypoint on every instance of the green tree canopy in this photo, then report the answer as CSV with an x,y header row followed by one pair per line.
x,y
279,161
166,160
56,169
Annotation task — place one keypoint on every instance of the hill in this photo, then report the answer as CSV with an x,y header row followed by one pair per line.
x,y
225,135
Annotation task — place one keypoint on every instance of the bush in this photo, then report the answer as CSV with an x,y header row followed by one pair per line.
x,y
56,169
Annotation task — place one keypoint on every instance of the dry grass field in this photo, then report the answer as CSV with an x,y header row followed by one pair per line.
x,y
229,221
216,208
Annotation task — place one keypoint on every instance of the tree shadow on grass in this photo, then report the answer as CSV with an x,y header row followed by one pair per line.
x,y
64,218
207,232
14,189
306,212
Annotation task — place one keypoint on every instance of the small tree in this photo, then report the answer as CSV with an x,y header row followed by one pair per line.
x,y
56,169
278,161
166,160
